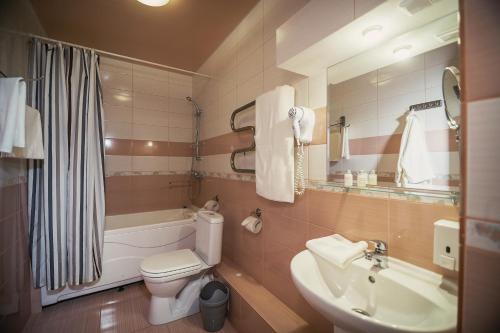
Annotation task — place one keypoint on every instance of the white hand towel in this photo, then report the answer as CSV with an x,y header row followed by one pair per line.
x,y
12,113
345,143
33,148
274,162
414,164
337,249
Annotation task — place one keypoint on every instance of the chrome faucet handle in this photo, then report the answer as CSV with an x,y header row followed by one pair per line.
x,y
380,246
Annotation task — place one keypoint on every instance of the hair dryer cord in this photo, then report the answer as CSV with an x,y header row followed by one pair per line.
x,y
299,183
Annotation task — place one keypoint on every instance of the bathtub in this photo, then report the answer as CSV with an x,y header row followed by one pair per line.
x,y
128,239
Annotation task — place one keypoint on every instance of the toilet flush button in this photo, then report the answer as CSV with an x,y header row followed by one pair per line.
x,y
447,262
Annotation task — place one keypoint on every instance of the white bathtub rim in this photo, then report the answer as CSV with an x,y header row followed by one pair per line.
x,y
161,225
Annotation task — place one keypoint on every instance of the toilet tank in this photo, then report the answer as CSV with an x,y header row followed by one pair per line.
x,y
209,236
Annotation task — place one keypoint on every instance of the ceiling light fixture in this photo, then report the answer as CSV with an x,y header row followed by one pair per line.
x,y
154,3
373,32
402,51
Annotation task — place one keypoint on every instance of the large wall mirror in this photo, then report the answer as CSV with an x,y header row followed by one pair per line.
x,y
386,109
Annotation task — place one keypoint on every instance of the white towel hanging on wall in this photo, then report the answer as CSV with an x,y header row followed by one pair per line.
x,y
414,166
12,113
33,148
274,162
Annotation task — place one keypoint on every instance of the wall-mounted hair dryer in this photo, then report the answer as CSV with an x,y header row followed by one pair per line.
x,y
302,123
303,126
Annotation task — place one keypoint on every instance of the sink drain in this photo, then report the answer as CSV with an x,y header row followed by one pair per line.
x,y
361,311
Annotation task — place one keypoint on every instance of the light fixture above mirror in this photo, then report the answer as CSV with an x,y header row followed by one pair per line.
x,y
373,33
154,3
402,52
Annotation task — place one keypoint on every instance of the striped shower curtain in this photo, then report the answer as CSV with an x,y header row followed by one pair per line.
x,y
66,190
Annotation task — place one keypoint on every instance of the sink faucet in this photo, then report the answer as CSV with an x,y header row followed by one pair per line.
x,y
379,254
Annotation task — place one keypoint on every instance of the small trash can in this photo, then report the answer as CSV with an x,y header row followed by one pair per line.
x,y
213,304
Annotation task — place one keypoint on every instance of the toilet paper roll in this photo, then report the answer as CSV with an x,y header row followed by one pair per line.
x,y
211,205
252,224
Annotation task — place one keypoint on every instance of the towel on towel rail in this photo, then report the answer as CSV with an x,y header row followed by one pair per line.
x,y
414,166
33,148
12,113
274,161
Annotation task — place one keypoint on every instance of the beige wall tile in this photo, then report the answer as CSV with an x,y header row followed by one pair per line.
x,y
116,80
116,163
180,91
180,134
150,163
118,130
249,90
150,132
152,86
117,113
117,97
179,164
151,117
180,79
116,65
150,102
180,106
483,157
180,120
250,66
317,162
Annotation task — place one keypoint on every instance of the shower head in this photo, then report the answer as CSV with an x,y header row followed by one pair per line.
x,y
196,107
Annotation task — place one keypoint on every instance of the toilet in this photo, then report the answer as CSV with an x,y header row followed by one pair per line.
x,y
175,278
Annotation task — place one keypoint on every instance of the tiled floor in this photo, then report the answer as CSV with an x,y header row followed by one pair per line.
x,y
110,311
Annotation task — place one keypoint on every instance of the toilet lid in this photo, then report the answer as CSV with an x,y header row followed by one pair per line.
x,y
170,262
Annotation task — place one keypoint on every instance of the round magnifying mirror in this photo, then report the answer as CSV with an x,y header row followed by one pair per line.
x,y
451,95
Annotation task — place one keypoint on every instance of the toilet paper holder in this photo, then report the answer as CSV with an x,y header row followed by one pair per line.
x,y
257,212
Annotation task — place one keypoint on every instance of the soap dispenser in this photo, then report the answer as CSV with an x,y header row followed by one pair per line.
x,y
446,244
362,179
348,179
372,178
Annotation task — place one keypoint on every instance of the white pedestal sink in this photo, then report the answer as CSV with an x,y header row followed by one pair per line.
x,y
401,298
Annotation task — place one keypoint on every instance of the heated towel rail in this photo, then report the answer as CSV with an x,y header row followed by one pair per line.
x,y
241,129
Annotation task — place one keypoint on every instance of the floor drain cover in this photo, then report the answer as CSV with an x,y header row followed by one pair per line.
x,y
361,311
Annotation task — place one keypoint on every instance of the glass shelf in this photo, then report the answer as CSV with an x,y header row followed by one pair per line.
x,y
413,194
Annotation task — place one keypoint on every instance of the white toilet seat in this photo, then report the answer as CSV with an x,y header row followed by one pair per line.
x,y
171,265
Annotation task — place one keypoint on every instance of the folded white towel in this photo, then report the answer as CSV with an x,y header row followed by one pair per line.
x,y
414,165
345,143
12,113
337,249
33,148
274,162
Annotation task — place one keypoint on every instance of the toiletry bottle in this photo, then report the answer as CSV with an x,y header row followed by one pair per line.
x,y
362,179
372,178
348,179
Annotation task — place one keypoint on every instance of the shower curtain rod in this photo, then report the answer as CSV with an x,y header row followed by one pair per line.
x,y
102,52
